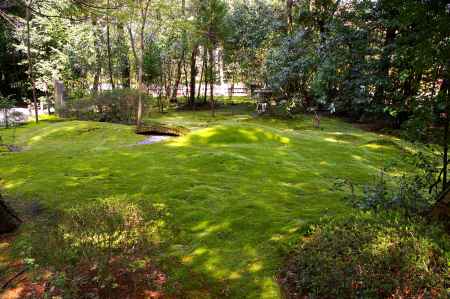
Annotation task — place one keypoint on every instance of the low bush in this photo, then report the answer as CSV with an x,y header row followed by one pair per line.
x,y
117,106
96,247
369,256
412,194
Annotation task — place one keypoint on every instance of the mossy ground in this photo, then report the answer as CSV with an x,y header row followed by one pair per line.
x,y
239,189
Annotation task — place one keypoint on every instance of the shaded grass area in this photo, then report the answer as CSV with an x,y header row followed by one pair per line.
x,y
238,189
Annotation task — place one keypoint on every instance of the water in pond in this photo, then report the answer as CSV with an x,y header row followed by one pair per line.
x,y
154,139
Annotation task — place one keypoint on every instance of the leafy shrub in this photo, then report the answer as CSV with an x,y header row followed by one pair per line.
x,y
86,246
367,256
117,106
412,195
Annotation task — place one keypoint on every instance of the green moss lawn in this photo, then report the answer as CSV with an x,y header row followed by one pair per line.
x,y
238,189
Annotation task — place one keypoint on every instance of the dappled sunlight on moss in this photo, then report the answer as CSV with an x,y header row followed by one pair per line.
x,y
358,158
221,135
237,188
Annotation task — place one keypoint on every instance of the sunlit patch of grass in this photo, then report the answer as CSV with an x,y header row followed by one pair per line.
x,y
237,188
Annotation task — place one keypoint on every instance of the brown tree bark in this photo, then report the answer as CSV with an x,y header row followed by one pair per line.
x,y
211,80
98,67
124,60
177,78
143,8
30,63
193,75
108,45
205,61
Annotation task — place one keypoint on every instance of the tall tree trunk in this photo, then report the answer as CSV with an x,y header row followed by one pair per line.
x,y
212,80
30,63
108,44
47,95
181,60
177,78
167,85
201,79
98,65
445,93
144,14
193,75
186,80
124,60
5,113
205,61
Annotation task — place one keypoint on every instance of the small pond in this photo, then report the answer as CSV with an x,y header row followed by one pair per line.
x,y
154,139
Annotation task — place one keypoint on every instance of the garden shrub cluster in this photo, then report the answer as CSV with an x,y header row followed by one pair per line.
x,y
370,256
93,247
116,106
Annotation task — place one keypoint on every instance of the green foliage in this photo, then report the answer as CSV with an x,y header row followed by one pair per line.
x,y
7,103
411,195
370,256
152,63
89,243
117,106
210,21
252,27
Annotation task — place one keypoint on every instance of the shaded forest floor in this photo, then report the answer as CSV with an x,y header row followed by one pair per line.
x,y
236,192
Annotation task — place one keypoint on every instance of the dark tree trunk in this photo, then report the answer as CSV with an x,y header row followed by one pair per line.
x,y
445,92
108,44
98,68
193,75
205,61
125,71
177,78
385,64
30,64
9,221
211,80
201,80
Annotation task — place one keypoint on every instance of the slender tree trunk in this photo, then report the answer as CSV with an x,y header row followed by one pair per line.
x,y
232,88
30,63
144,14
186,80
201,80
177,78
108,44
167,85
212,80
124,60
98,66
446,87
205,60
47,94
193,75
5,112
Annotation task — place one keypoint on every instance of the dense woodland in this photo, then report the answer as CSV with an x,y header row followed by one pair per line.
x,y
372,59
178,66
